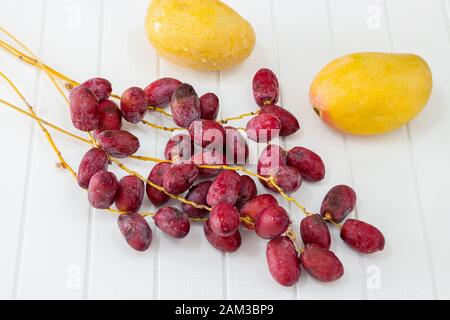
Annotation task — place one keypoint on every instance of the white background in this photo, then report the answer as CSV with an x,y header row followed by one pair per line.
x,y
52,245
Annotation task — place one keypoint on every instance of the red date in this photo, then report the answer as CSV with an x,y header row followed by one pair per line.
x,y
321,263
225,188
287,178
314,230
289,123
253,208
272,222
207,132
102,189
224,219
110,117
118,143
173,222
338,203
197,194
130,194
283,261
209,104
156,176
247,191
224,244
135,230
263,128
185,106
94,160
309,164
266,89
160,91
84,109
101,87
133,104
362,236
180,178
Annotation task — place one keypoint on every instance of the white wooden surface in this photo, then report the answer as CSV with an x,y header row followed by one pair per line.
x,y
53,245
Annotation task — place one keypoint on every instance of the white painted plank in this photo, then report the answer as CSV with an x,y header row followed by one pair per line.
x,y
247,268
53,263
381,167
13,184
422,27
304,48
126,59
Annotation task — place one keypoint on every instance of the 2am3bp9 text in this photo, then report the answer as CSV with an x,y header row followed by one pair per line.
x,y
225,309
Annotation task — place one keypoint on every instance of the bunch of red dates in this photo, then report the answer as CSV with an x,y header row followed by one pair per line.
x,y
222,199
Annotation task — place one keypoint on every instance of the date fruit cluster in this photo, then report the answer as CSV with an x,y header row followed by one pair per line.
x,y
224,200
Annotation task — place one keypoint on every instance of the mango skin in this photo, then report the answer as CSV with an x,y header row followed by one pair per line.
x,y
199,34
371,93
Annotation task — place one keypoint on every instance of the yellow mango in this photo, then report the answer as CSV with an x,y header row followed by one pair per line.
x,y
371,93
199,34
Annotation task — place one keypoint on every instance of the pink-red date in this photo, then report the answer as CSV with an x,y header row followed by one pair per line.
x,y
84,109
254,207
224,219
266,89
362,236
224,244
247,191
287,178
130,194
93,161
338,203
133,104
207,132
173,222
160,91
283,261
289,123
197,194
321,263
314,230
272,222
135,230
307,162
156,176
263,128
101,87
209,104
102,189
185,106
110,117
180,178
118,143
225,188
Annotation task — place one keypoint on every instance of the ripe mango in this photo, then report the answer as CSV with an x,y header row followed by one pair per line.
x,y
199,34
371,93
